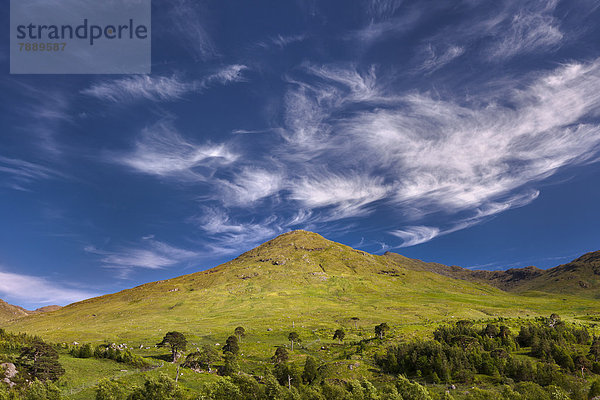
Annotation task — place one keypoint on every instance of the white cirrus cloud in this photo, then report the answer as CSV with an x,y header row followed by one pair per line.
x,y
234,235
161,151
28,289
527,31
150,254
438,153
186,19
436,59
161,88
282,41
348,195
155,88
22,174
250,185
225,75
413,235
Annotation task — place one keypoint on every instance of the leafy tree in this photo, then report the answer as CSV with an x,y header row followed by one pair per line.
x,y
381,330
595,349
250,389
38,391
240,332
109,390
202,359
333,391
231,345
411,390
231,366
223,389
177,342
287,375
594,389
273,391
355,320
281,355
161,388
504,332
41,361
447,396
293,337
339,334
311,370
491,330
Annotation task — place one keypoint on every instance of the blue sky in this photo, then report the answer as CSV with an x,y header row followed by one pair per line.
x,y
462,132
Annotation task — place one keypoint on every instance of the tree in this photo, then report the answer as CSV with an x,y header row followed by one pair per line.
x,y
240,332
491,330
36,390
109,390
41,361
594,389
161,388
281,355
293,337
595,349
504,331
339,334
231,365
381,330
202,359
287,374
311,370
231,345
177,342
355,320
411,390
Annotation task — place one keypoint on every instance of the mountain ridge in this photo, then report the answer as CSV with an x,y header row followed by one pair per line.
x,y
11,311
585,270
297,276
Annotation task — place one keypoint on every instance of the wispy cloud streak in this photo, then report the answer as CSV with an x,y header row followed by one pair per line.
x,y
37,290
151,254
161,151
161,88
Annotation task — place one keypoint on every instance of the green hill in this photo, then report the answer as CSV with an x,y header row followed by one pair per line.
x,y
8,311
296,279
580,277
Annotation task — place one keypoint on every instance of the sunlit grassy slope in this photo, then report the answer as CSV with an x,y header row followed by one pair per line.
x,y
298,279
8,311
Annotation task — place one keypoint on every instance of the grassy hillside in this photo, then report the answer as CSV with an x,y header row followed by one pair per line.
x,y
580,277
298,279
8,311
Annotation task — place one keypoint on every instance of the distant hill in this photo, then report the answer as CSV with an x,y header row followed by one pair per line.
x,y
9,311
299,278
580,277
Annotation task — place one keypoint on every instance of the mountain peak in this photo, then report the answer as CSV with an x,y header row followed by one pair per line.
x,y
289,242
589,258
299,238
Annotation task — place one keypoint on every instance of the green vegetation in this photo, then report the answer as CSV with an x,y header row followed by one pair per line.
x,y
177,342
301,317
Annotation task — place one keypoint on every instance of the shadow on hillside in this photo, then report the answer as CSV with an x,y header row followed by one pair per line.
x,y
162,357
